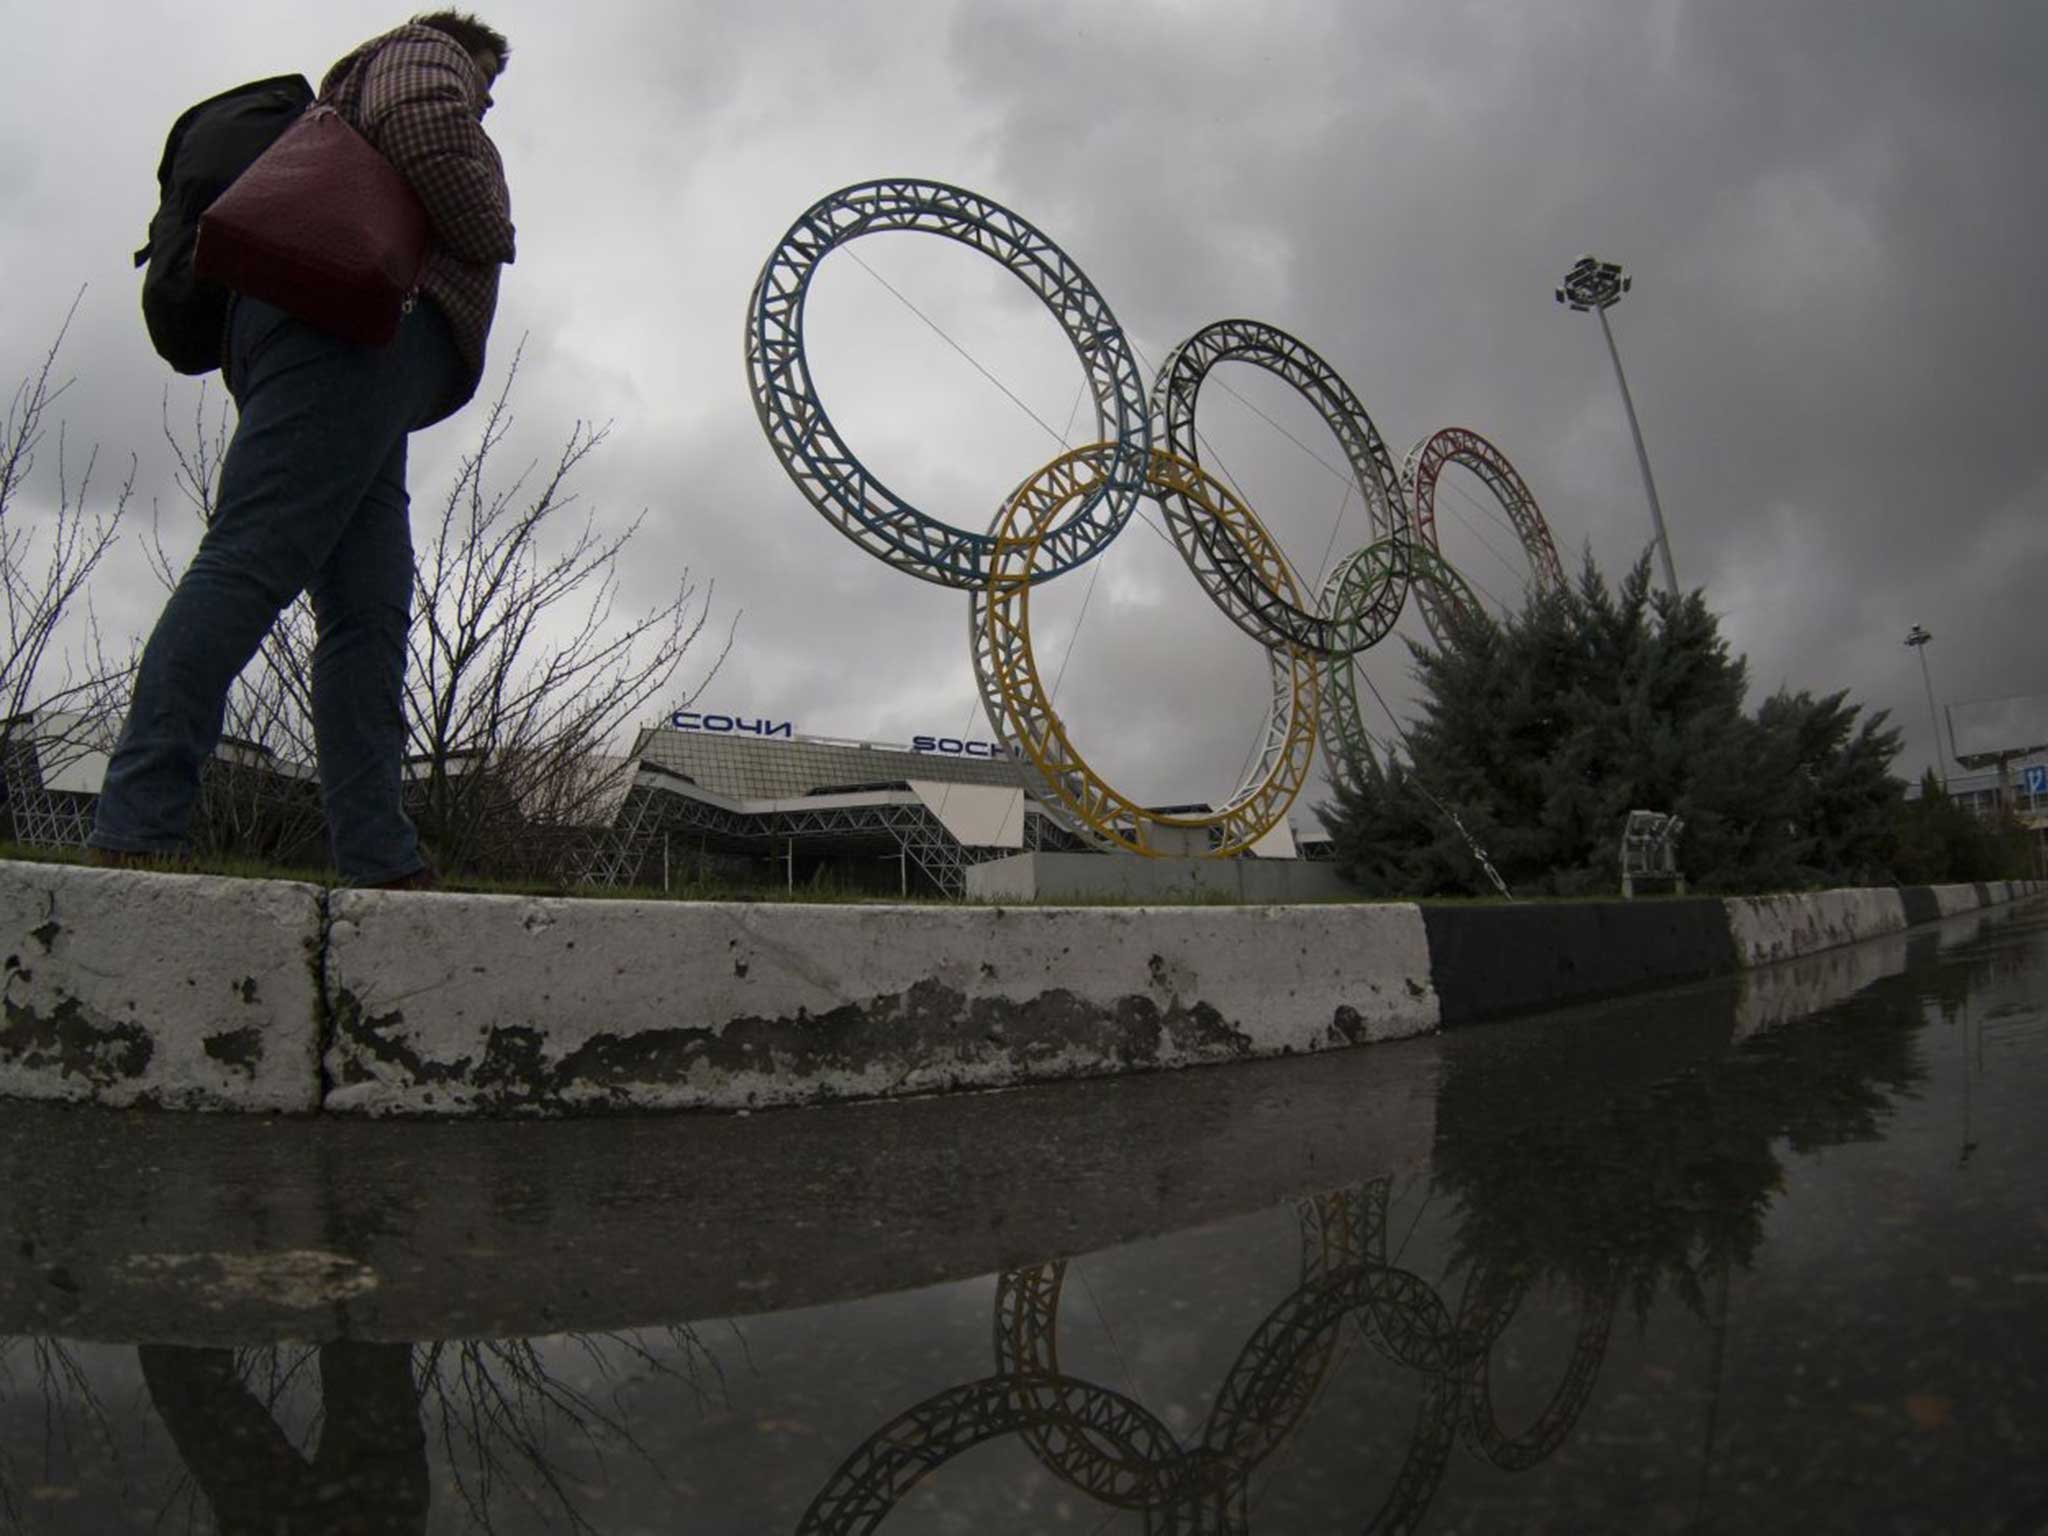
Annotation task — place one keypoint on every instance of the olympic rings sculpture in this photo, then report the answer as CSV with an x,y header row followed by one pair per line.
x,y
1066,513
1111,1448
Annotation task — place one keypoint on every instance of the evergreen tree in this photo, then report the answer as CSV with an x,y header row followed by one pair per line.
x,y
1542,731
1940,840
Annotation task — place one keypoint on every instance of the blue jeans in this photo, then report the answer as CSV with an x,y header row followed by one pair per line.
x,y
312,499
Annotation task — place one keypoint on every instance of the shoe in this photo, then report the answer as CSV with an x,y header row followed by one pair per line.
x,y
421,879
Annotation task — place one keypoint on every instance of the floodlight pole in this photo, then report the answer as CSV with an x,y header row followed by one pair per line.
x,y
1642,456
1598,286
1917,638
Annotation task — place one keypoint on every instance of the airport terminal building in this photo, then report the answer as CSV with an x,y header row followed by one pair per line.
x,y
758,801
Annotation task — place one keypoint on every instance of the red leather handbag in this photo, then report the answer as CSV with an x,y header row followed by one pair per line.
x,y
322,226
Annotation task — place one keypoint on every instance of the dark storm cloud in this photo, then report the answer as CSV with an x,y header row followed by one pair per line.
x,y
1829,210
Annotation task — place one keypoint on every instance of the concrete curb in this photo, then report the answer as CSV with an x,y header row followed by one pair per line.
x,y
182,991
1767,929
1494,960
188,991
509,1003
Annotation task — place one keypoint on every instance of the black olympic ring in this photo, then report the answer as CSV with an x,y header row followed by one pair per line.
x,y
1238,587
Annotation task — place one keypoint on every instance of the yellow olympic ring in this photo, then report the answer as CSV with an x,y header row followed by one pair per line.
x,y
1021,710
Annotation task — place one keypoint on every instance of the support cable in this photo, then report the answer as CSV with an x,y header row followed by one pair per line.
x,y
1063,438
940,331
1493,512
1007,392
1094,570
1471,842
1060,437
1487,544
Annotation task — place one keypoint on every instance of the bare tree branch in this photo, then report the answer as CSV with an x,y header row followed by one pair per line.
x,y
523,674
48,553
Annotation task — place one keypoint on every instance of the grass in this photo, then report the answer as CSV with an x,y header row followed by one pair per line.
x,y
814,892
242,867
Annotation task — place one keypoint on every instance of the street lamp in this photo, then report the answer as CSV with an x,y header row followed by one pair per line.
x,y
1917,638
1598,286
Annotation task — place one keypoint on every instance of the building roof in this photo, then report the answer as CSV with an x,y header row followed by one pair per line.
x,y
741,766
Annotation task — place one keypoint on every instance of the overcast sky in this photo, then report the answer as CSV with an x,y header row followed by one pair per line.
x,y
1833,213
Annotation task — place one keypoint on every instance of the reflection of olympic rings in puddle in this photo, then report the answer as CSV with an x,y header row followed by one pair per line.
x,y
1135,1451
1220,539
1109,1447
1261,1400
1484,1315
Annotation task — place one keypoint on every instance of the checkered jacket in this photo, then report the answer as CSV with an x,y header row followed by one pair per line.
x,y
417,95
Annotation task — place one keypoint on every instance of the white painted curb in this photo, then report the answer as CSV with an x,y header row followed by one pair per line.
x,y
185,991
446,1004
1767,929
1954,900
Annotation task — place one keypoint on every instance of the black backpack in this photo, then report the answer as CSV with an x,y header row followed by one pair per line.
x,y
209,146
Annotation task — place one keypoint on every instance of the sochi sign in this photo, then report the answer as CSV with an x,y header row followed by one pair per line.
x,y
730,725
709,724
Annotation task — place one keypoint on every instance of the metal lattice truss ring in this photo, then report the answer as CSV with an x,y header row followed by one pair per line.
x,y
826,470
1419,474
1103,1467
1337,1233
1117,1452
1019,706
920,1440
1357,577
1239,584
1400,1310
1484,1314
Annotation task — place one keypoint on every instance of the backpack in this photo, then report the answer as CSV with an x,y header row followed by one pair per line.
x,y
209,146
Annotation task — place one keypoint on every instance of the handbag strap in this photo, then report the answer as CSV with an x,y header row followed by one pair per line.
x,y
345,96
